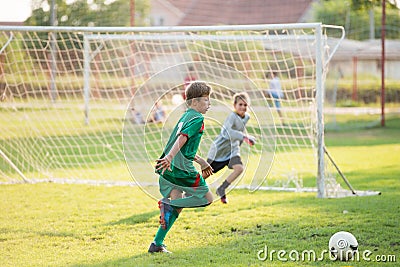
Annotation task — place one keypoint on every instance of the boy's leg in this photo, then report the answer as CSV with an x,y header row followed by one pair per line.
x,y
198,194
277,101
217,166
166,209
237,170
209,197
168,190
161,233
157,245
165,212
193,201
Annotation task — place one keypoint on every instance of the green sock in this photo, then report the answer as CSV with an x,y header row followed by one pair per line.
x,y
161,233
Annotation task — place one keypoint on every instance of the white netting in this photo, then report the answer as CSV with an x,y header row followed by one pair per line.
x,y
66,94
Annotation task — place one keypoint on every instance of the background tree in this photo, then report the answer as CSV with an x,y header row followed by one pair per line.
x,y
89,13
368,4
93,13
355,17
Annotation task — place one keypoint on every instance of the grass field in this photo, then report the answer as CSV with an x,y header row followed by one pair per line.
x,y
49,224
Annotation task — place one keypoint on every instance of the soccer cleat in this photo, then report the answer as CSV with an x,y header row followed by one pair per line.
x,y
153,248
221,193
165,213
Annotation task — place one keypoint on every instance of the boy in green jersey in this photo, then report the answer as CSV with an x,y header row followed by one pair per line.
x,y
181,185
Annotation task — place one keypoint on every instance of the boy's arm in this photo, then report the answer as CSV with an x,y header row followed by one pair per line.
x,y
237,135
206,169
249,139
233,134
165,163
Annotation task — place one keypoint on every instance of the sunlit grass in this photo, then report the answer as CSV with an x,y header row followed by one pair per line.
x,y
50,224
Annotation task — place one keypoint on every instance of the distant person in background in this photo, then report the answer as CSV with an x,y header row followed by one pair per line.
x,y
190,77
136,116
157,114
276,93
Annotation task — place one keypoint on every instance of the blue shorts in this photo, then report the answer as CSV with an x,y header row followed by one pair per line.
x,y
277,99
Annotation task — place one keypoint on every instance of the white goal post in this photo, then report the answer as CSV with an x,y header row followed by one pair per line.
x,y
69,94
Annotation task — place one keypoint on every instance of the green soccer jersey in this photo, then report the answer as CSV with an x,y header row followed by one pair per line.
x,y
191,124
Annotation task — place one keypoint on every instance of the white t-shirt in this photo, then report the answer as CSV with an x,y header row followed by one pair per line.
x,y
275,87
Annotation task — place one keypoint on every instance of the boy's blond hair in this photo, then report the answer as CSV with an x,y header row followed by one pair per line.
x,y
241,96
197,89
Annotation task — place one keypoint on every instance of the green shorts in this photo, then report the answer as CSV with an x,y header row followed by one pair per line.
x,y
195,186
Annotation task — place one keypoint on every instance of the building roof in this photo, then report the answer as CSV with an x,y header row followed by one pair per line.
x,y
173,8
11,23
228,12
183,5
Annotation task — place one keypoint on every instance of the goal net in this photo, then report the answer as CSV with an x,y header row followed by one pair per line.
x,y
97,105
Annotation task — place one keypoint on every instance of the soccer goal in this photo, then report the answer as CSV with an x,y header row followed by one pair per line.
x,y
78,103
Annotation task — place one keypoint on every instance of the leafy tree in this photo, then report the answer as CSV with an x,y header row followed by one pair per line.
x,y
354,16
78,13
89,13
368,4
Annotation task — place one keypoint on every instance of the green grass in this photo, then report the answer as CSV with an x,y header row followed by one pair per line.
x,y
81,225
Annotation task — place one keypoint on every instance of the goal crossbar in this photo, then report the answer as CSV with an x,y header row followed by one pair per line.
x,y
102,66
197,37
165,29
